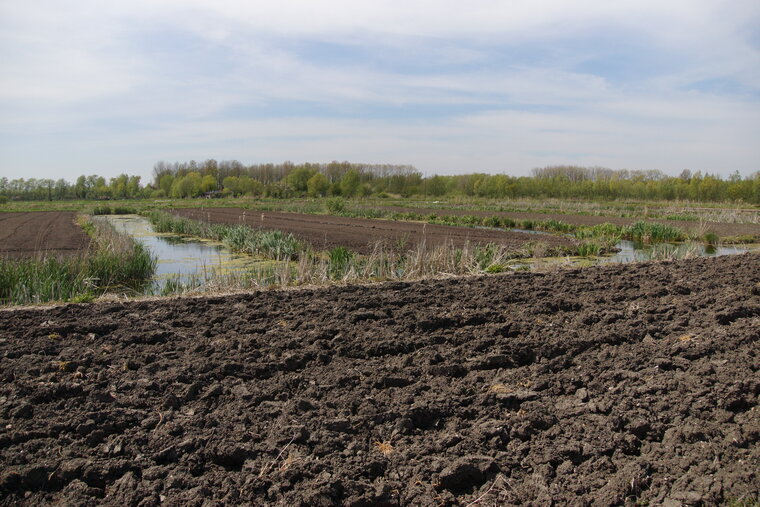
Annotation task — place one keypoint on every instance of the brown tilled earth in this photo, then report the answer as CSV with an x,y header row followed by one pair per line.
x,y
723,229
619,384
361,234
51,233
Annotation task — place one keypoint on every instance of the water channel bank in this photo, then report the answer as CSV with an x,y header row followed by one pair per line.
x,y
181,260
191,262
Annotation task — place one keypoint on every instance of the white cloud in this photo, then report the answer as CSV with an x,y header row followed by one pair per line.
x,y
100,74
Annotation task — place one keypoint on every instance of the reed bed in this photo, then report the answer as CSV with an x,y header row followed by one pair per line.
x,y
114,262
275,245
340,265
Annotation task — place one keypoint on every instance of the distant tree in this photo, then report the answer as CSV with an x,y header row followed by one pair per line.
x,y
80,188
208,183
298,179
232,184
437,185
349,185
188,185
165,183
133,186
318,185
250,186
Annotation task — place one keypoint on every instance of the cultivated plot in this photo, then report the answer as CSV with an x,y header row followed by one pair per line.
x,y
630,383
41,233
361,235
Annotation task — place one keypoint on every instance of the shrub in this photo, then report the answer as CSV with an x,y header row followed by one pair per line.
x,y
492,222
711,238
101,210
335,205
653,232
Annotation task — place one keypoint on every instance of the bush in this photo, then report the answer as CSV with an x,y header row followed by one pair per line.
x,y
711,238
653,232
101,210
335,205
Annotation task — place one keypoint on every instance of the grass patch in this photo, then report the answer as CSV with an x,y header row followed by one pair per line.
x,y
653,232
666,252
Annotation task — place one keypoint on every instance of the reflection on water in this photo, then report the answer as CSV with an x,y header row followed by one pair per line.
x,y
631,251
184,260
180,258
634,251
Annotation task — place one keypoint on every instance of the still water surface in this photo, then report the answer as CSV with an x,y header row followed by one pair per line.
x,y
186,259
181,258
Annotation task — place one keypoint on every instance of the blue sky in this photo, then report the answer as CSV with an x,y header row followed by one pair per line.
x,y
489,86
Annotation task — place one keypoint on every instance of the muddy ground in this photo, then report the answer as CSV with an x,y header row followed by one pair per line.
x,y
609,385
325,232
723,229
41,232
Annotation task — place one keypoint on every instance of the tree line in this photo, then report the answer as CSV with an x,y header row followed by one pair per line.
x,y
232,178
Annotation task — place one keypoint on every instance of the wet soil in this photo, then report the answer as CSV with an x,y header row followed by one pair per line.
x,y
604,386
325,232
723,229
35,233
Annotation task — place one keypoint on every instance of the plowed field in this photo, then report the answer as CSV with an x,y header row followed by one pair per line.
x,y
721,228
361,235
624,383
40,233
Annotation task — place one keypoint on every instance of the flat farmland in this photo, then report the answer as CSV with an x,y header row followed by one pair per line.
x,y
723,229
610,385
361,235
50,233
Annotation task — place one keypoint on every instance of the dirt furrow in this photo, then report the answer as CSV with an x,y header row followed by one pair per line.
x,y
361,235
629,383
41,233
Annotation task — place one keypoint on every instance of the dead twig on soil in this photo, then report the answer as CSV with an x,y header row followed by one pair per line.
x,y
269,465
481,497
160,420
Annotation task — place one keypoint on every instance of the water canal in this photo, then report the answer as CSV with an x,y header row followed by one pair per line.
x,y
195,260
181,259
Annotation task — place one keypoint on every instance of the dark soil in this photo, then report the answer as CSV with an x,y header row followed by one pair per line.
x,y
325,232
609,385
41,233
721,228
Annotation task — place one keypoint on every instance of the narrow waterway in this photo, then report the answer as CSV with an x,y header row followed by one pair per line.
x,y
193,260
181,259
632,251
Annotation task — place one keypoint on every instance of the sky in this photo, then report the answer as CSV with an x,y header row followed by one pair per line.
x,y
497,86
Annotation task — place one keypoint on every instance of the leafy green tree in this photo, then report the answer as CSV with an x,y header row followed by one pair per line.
x,y
80,188
298,179
318,185
349,185
437,185
165,183
208,183
232,183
